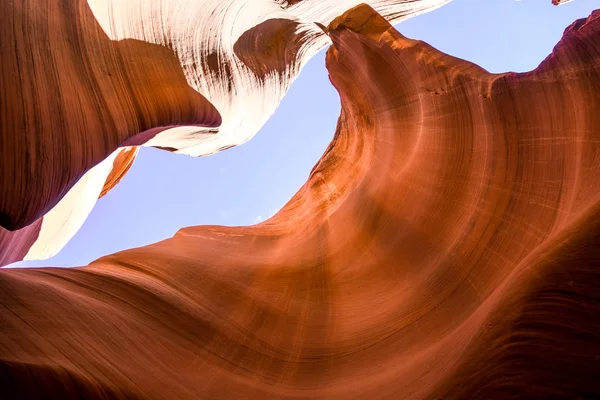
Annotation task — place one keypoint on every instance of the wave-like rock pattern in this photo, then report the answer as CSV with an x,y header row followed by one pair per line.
x,y
242,55
81,78
447,245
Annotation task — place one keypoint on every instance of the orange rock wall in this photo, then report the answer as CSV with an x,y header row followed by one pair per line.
x,y
447,245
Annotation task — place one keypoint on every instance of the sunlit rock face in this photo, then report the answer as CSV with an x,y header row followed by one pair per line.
x,y
47,235
82,78
447,245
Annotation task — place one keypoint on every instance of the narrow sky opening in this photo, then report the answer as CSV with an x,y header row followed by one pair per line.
x,y
244,185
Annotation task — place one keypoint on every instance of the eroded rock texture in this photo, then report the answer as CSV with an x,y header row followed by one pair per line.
x,y
81,78
447,245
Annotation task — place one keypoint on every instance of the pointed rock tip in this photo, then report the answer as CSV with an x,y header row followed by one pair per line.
x,y
361,19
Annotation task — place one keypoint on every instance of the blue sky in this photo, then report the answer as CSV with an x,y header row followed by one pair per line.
x,y
164,192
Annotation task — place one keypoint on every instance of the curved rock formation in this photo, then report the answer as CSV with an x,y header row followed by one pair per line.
x,y
121,164
50,233
71,96
447,245
84,77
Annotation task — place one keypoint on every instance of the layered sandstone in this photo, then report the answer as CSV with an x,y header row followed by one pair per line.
x,y
445,246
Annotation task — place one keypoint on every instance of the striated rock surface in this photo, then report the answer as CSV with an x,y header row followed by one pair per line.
x,y
81,78
447,245
71,96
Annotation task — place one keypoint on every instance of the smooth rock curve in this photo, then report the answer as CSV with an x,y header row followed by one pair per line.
x,y
84,77
447,245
